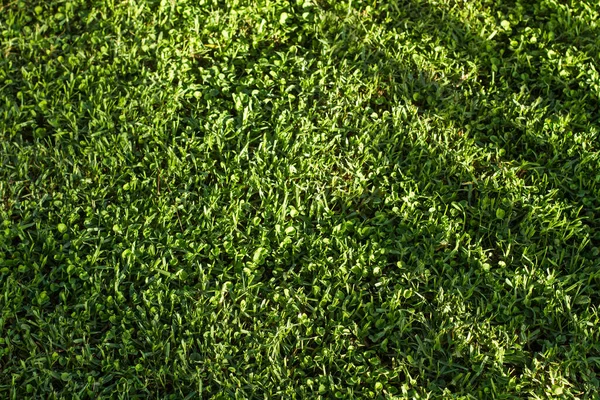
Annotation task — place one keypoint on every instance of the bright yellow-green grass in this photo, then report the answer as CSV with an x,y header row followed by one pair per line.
x,y
260,199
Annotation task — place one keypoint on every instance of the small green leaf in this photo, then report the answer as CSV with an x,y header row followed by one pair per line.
x,y
557,390
582,300
283,17
259,255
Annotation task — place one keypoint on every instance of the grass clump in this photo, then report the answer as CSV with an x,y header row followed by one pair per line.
x,y
309,199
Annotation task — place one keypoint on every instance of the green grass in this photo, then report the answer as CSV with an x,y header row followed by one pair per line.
x,y
309,199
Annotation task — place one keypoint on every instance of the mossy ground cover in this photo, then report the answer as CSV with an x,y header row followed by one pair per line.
x,y
306,199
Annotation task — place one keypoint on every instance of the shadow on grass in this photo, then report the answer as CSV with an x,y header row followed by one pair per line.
x,y
529,116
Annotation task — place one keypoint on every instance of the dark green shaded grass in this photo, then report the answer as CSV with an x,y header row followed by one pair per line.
x,y
252,199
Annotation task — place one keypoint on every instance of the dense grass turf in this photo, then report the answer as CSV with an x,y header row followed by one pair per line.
x,y
265,199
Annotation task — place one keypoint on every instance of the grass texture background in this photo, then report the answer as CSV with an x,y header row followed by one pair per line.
x,y
306,199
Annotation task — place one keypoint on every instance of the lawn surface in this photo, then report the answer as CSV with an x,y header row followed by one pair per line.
x,y
273,199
